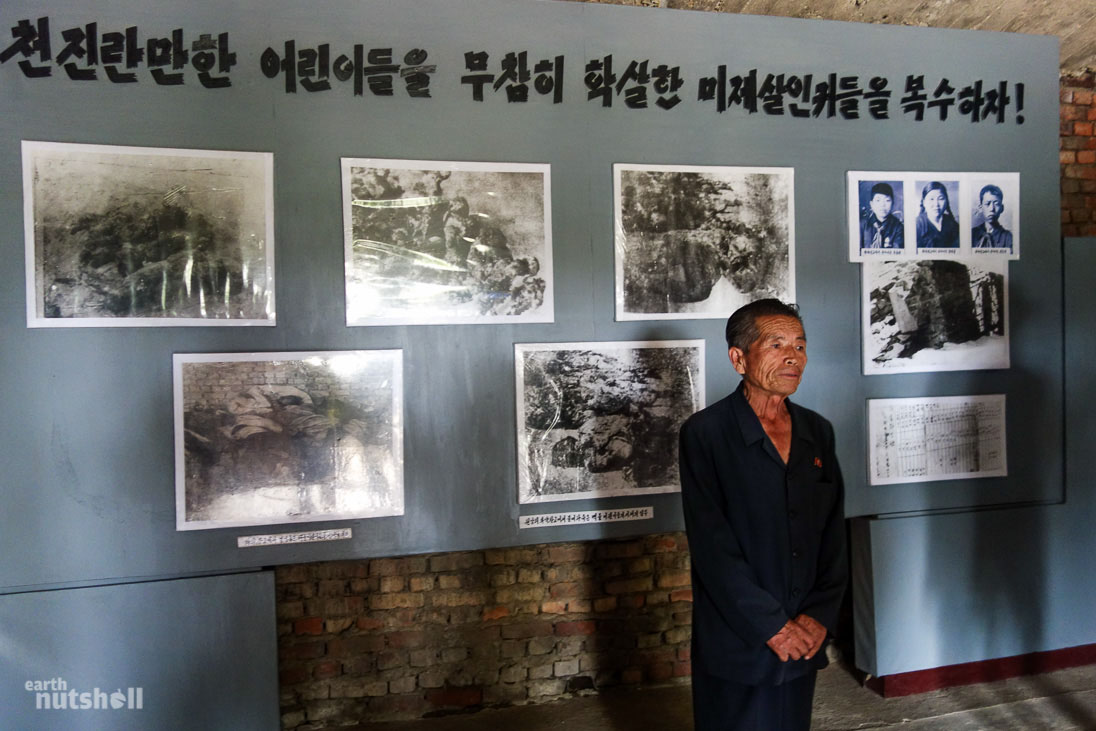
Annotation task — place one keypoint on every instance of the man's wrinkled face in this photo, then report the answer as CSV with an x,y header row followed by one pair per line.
x,y
992,207
774,363
881,204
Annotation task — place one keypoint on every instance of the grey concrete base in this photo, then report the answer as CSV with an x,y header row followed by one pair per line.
x,y
1061,701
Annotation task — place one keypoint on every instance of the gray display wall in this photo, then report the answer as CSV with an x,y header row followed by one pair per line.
x,y
187,653
87,460
947,589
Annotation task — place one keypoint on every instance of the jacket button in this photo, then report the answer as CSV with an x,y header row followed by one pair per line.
x,y
795,554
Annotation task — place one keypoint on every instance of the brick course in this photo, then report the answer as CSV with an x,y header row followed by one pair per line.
x,y
1077,155
456,631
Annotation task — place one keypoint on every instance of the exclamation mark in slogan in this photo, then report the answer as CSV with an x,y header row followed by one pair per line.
x,y
1019,103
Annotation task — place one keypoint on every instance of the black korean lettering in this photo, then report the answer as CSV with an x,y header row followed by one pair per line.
x,y
744,92
416,73
667,81
599,80
163,52
915,97
997,101
714,87
118,49
848,97
825,97
208,55
799,89
346,68
515,74
81,44
549,78
633,82
771,94
30,40
971,101
878,97
477,61
314,68
943,98
272,65
379,70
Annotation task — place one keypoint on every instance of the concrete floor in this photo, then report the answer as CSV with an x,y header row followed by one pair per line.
x,y
1058,701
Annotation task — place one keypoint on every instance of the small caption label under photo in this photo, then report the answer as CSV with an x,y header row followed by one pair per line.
x,y
549,520
282,539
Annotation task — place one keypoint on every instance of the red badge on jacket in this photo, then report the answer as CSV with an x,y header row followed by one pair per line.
x,y
817,462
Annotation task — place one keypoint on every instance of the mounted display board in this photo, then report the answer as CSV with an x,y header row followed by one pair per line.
x,y
475,177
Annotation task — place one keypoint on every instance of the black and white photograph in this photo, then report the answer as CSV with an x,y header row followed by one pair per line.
x,y
935,315
602,419
437,242
272,438
995,214
877,216
700,241
936,211
936,438
141,236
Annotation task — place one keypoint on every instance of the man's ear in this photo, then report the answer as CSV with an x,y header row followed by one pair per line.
x,y
736,355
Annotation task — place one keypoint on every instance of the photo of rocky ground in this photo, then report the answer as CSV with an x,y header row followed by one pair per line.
x,y
935,315
137,236
702,242
603,419
435,245
293,439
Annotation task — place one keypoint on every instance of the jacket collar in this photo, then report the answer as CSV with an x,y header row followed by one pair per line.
x,y
750,426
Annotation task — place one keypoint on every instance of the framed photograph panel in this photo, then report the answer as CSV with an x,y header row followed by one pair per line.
x,y
933,215
601,419
434,242
928,315
701,241
144,236
270,438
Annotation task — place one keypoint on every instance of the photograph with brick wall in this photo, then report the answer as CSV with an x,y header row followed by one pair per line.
x,y
403,637
288,437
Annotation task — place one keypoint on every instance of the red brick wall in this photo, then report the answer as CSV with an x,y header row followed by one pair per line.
x,y
1078,155
401,637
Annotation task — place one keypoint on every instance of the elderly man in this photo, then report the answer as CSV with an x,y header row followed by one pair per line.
x,y
763,494
991,234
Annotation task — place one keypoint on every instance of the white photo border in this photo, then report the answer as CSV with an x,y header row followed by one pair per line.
x,y
522,441
34,298
785,174
952,360
543,314
397,429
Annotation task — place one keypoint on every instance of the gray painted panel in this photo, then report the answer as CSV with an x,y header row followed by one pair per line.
x,y
202,652
979,585
87,461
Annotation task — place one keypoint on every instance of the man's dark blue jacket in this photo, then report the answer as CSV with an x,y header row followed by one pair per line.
x,y
766,540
